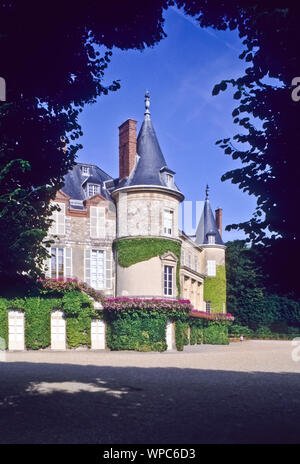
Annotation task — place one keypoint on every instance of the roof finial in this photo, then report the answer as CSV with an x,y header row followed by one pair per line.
x,y
147,105
207,192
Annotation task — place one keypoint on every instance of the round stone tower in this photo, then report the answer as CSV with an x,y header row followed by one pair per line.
x,y
208,236
147,247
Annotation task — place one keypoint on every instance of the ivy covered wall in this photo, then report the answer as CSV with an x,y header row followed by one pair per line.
x,y
134,250
78,310
215,290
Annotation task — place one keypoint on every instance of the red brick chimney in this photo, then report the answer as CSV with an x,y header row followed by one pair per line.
x,y
219,220
127,147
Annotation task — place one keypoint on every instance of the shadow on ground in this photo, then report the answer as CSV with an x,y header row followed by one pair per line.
x,y
65,403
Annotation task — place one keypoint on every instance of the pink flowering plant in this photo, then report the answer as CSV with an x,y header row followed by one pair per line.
x,y
212,316
147,304
61,285
171,307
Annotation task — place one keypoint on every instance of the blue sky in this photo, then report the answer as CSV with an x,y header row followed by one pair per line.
x,y
180,73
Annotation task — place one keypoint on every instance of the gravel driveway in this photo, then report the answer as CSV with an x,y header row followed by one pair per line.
x,y
242,393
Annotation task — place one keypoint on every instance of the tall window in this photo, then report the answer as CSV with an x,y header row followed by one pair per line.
x,y
190,260
211,268
182,256
97,269
208,306
97,221
168,222
196,263
57,263
59,217
168,280
93,189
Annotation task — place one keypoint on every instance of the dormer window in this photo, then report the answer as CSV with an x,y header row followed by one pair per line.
x,y
211,238
167,176
93,189
169,180
85,170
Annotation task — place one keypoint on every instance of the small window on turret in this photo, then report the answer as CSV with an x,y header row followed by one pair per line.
x,y
169,180
211,239
168,222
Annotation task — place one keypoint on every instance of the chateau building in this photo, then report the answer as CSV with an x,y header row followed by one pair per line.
x,y
122,236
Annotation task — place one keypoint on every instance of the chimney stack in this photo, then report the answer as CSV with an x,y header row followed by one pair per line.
x,y
219,220
127,147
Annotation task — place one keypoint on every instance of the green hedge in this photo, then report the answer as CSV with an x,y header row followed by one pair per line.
x,y
135,250
197,333
181,334
37,322
265,332
137,330
209,332
215,333
37,319
4,321
77,308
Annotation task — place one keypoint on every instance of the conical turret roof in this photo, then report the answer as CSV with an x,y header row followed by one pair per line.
x,y
207,225
151,167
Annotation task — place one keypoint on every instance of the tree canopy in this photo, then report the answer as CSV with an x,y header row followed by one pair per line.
x,y
267,143
52,66
51,62
249,298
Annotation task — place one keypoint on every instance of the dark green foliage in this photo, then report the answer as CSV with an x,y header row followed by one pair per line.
x,y
37,319
137,330
197,332
132,251
79,330
78,311
248,298
215,333
181,334
77,308
75,303
4,321
276,331
37,322
236,331
46,90
267,144
201,331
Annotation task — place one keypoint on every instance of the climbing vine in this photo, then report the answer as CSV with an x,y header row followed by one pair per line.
x,y
215,290
78,310
135,250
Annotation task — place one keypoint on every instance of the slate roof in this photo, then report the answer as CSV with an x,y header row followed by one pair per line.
x,y
150,168
75,181
207,225
150,164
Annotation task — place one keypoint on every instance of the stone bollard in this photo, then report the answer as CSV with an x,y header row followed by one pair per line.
x,y
16,330
58,330
98,339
